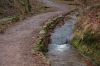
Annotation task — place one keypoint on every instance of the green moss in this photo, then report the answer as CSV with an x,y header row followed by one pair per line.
x,y
42,46
5,22
15,18
42,43
52,23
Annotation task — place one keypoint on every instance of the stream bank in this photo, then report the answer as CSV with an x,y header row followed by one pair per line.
x,y
57,44
86,35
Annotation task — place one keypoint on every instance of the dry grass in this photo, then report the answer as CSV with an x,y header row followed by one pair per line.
x,y
87,33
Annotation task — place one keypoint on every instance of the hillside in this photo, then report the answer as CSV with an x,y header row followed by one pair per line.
x,y
14,7
87,31
21,8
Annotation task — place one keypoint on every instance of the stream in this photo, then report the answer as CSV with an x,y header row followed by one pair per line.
x,y
61,52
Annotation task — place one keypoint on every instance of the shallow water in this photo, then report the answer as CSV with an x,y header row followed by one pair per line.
x,y
61,53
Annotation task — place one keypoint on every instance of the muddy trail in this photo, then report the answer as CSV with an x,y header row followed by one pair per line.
x,y
16,44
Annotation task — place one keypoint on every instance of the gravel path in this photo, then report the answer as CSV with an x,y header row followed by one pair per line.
x,y
17,42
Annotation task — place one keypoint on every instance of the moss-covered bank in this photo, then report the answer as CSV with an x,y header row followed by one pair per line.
x,y
46,30
43,40
90,50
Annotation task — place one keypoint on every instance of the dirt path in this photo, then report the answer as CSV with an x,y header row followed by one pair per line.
x,y
17,42
57,6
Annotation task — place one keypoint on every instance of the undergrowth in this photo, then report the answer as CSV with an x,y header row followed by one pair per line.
x,y
86,35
